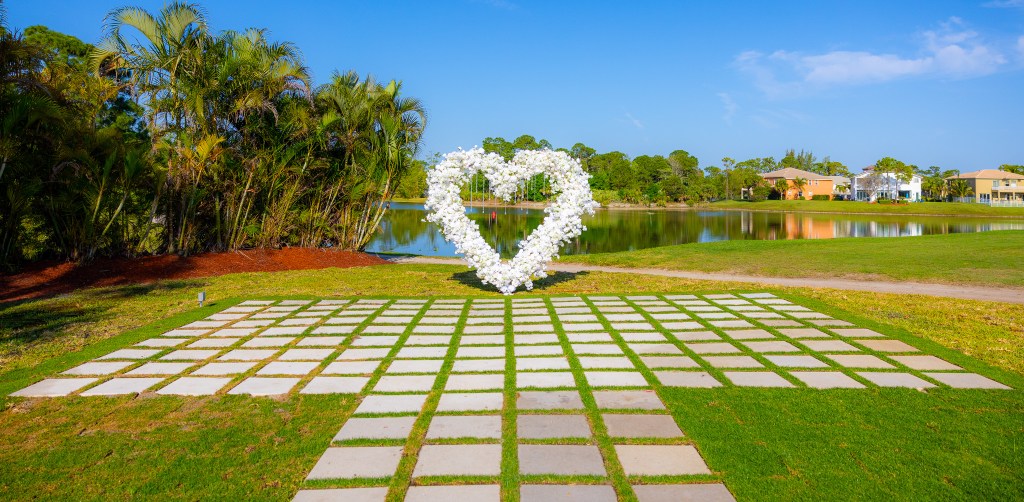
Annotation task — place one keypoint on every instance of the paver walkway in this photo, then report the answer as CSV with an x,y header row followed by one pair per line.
x,y
550,398
983,293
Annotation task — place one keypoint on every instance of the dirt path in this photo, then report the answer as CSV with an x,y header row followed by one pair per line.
x,y
991,294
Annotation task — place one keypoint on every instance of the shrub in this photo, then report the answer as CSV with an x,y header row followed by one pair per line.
x,y
821,197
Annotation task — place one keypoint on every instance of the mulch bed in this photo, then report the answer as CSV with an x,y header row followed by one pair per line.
x,y
48,279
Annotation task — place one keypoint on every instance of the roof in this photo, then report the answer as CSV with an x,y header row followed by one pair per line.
x,y
989,174
793,173
839,180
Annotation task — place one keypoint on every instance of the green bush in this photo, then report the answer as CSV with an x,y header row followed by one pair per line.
x,y
821,197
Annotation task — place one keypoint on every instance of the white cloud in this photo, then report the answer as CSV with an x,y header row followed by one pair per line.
x,y
729,105
950,51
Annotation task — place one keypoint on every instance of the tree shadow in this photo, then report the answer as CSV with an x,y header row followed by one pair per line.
x,y
469,278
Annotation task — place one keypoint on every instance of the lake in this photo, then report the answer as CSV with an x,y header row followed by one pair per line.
x,y
404,231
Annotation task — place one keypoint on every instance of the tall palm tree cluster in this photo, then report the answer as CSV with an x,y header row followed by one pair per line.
x,y
169,138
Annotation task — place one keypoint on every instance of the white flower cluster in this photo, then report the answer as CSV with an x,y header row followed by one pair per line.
x,y
563,221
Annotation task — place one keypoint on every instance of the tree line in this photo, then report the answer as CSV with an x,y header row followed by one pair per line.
x,y
170,137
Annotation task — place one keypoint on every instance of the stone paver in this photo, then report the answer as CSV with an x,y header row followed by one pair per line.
x,y
494,381
264,386
628,399
54,387
552,426
827,380
543,379
757,379
895,380
470,401
214,369
350,462
641,426
669,362
966,381
401,403
690,492
888,346
733,362
549,400
687,379
925,363
374,494
465,426
404,383
100,368
459,460
335,385
567,493
482,493
560,459
194,386
796,361
660,460
376,428
860,361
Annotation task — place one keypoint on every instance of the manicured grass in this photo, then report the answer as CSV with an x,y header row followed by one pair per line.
x,y
835,206
985,258
767,444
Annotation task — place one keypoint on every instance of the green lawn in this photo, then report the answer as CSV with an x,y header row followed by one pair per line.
x,y
765,444
984,258
835,206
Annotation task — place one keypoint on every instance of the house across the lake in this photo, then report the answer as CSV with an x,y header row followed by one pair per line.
x,y
871,186
814,183
992,186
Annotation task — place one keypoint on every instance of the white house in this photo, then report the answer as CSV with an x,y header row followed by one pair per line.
x,y
871,186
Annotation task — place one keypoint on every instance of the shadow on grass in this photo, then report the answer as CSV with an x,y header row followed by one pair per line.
x,y
470,279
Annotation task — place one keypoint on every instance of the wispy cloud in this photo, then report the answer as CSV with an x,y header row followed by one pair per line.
x,y
729,105
498,4
635,121
951,51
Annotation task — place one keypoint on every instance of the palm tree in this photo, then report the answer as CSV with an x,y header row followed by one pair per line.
x,y
799,184
960,189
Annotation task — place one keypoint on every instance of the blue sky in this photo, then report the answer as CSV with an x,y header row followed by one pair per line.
x,y
928,82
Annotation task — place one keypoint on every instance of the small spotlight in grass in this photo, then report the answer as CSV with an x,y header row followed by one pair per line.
x,y
202,298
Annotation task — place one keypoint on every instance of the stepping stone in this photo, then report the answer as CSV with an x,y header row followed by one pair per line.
x,y
210,343
731,324
530,339
682,325
533,328
414,366
459,460
398,329
712,348
589,337
857,333
803,333
669,362
655,348
132,354
888,346
572,310
360,354
552,426
401,403
98,368
544,379
159,369
477,401
305,355
775,346
549,400
376,494
427,328
289,368
479,365
696,336
482,493
615,379
483,330
895,380
351,367
333,330
54,387
660,460
265,342
640,326
421,352
588,318
624,317
733,362
538,350
385,319
349,462
826,380
830,346
302,322
283,331
376,428
447,321
120,386
641,426
757,379
211,369
687,379
475,382
465,426
966,381
628,399
162,342
749,334
541,363
860,361
592,363
485,340
560,459
375,341
685,492
597,349
403,383
674,316
796,361
500,321
468,352
261,386
773,322
192,386
567,493
644,337
335,385
925,363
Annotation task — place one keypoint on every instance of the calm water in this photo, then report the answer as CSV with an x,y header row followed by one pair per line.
x,y
404,231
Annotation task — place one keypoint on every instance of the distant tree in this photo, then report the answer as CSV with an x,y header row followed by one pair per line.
x,y
894,172
960,189
781,187
616,167
829,167
683,164
500,146
803,160
1012,168
760,164
799,184
649,170
583,153
673,187
526,142
60,46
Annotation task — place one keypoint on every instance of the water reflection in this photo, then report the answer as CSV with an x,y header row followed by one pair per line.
x,y
404,231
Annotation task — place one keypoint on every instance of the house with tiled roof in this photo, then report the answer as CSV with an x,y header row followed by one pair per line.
x,y
815,184
992,186
870,186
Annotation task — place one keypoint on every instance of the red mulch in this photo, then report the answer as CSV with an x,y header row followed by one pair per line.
x,y
42,280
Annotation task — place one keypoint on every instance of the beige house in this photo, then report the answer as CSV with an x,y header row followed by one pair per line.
x,y
816,184
992,186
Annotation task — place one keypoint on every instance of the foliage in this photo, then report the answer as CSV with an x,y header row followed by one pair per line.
x,y
960,189
821,197
1012,168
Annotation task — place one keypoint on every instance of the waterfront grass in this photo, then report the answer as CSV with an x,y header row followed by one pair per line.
x,y
984,258
847,206
767,444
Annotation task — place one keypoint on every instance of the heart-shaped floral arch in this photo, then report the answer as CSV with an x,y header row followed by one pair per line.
x,y
563,221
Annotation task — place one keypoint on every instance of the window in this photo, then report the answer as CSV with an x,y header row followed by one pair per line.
x,y
995,183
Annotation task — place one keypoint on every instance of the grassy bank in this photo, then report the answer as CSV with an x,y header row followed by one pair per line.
x,y
985,258
832,206
767,444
